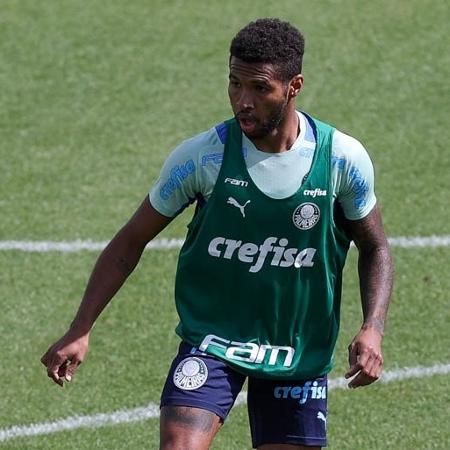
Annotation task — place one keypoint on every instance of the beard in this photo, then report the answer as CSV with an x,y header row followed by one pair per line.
x,y
267,126
273,122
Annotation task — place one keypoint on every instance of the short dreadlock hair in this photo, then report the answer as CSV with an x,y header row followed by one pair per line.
x,y
271,41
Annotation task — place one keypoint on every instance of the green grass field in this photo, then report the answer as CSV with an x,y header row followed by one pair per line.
x,y
93,97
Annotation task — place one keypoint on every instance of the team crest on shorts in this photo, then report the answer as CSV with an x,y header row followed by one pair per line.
x,y
306,216
190,374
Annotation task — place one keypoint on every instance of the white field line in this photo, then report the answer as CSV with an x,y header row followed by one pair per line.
x,y
176,243
79,245
151,411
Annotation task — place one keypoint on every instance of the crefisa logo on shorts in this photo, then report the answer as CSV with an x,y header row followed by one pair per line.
x,y
306,216
190,374
301,393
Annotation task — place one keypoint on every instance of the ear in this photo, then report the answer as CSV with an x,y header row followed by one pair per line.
x,y
295,85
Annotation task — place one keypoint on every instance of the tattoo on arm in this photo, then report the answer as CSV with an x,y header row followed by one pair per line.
x,y
375,268
375,274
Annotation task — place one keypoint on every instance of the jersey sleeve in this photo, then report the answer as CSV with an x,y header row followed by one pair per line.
x,y
353,176
182,179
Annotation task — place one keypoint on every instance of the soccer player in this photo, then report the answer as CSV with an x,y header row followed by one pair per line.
x,y
279,197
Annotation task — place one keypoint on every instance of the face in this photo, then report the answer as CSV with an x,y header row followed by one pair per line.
x,y
258,98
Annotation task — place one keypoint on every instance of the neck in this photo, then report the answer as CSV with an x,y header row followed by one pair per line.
x,y
283,137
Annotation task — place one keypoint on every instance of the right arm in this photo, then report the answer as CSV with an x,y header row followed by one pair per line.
x,y
190,170
115,264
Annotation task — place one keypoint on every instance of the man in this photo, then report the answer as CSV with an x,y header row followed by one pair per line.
x,y
279,197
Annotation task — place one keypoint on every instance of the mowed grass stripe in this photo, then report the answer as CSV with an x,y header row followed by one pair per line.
x,y
165,244
151,411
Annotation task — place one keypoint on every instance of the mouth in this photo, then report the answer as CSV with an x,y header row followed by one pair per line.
x,y
247,123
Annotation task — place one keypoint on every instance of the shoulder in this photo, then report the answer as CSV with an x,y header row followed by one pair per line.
x,y
353,175
189,172
200,143
346,145
195,153
348,152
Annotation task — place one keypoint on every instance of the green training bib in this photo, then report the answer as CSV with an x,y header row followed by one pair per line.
x,y
258,282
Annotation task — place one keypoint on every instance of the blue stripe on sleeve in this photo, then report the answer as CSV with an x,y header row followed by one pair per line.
x,y
309,132
221,131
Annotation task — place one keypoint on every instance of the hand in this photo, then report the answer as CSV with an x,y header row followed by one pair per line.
x,y
63,357
365,358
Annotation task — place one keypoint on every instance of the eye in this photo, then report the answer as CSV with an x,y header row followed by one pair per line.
x,y
235,83
261,88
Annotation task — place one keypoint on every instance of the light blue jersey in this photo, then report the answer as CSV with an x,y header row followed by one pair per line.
x,y
191,170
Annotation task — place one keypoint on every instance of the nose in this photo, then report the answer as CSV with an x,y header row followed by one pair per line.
x,y
245,100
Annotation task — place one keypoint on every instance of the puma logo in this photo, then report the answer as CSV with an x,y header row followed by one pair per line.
x,y
234,202
321,416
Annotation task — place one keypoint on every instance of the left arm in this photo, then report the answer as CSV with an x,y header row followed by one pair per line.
x,y
375,268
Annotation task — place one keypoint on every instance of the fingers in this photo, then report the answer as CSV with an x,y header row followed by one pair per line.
x,y
367,368
71,368
352,360
56,368
59,366
62,358
352,371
